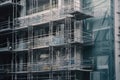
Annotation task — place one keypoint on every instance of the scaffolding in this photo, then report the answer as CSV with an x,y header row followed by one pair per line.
x,y
65,40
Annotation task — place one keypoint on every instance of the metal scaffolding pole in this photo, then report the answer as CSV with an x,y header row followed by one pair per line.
x,y
50,46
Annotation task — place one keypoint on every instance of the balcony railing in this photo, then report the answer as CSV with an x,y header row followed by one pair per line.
x,y
72,64
42,41
4,47
37,19
49,15
2,2
6,25
70,6
41,8
88,38
21,45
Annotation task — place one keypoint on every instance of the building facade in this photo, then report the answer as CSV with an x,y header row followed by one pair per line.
x,y
59,40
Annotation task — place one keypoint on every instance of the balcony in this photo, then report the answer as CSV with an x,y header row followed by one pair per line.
x,y
7,7
84,39
5,68
8,2
76,9
44,41
57,14
5,26
73,64
43,7
4,47
62,65
88,38
38,19
2,2
21,45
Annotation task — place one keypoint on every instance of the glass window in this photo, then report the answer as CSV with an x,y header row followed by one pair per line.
x,y
102,62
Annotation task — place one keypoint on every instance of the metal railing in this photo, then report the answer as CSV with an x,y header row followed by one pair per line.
x,y
45,17
46,40
2,1
5,25
71,64
4,47
41,8
73,5
21,45
5,68
8,1
36,19
88,37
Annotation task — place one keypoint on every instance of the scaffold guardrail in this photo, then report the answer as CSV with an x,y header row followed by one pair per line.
x,y
46,40
5,25
2,2
70,64
42,18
